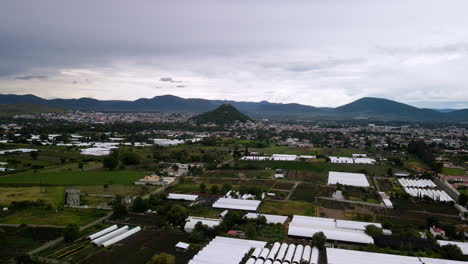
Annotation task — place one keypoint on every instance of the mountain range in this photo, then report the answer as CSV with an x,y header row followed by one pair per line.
x,y
364,108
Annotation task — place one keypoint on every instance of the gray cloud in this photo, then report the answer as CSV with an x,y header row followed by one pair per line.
x,y
31,77
312,52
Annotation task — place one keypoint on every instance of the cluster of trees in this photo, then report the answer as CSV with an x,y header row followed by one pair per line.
x,y
115,158
425,153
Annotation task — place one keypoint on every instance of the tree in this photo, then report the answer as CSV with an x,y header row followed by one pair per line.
x,y
250,229
463,199
202,187
390,172
118,207
71,232
214,188
3,239
177,215
110,162
34,155
140,205
226,188
318,239
373,231
451,251
130,158
80,165
162,258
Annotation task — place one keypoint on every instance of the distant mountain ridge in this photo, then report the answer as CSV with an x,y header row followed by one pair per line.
x,y
364,108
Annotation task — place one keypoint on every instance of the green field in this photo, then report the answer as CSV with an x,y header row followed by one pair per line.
x,y
288,208
74,177
54,196
39,216
320,168
453,171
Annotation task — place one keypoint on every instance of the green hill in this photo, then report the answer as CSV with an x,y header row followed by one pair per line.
x,y
17,109
226,114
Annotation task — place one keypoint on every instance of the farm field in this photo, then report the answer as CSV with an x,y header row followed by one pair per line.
x,y
23,239
54,196
140,247
307,192
453,171
74,177
288,208
321,169
260,174
39,216
114,189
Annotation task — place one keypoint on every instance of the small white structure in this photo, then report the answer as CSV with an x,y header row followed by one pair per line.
x,y
347,178
181,246
237,204
284,157
192,221
185,197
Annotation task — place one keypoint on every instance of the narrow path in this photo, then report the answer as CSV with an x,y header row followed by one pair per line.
x,y
292,190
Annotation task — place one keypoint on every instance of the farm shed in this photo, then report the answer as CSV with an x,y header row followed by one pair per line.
x,y
346,231
185,197
192,222
237,204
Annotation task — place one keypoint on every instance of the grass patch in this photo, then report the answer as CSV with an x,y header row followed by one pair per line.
x,y
74,177
54,196
453,171
38,216
288,208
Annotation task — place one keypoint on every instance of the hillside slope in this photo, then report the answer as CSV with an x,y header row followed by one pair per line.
x,y
226,114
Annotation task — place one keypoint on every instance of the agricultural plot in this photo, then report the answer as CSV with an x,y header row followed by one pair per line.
x,y
39,216
115,189
453,171
281,185
306,176
74,177
54,196
140,247
288,208
259,174
23,239
308,191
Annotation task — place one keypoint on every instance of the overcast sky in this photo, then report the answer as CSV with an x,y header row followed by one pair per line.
x,y
320,52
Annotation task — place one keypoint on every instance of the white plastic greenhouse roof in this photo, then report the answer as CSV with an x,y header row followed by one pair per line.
x,y
347,178
462,245
271,219
341,230
355,225
186,197
223,250
344,256
192,222
237,204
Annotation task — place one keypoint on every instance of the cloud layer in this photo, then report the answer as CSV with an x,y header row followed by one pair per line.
x,y
321,53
